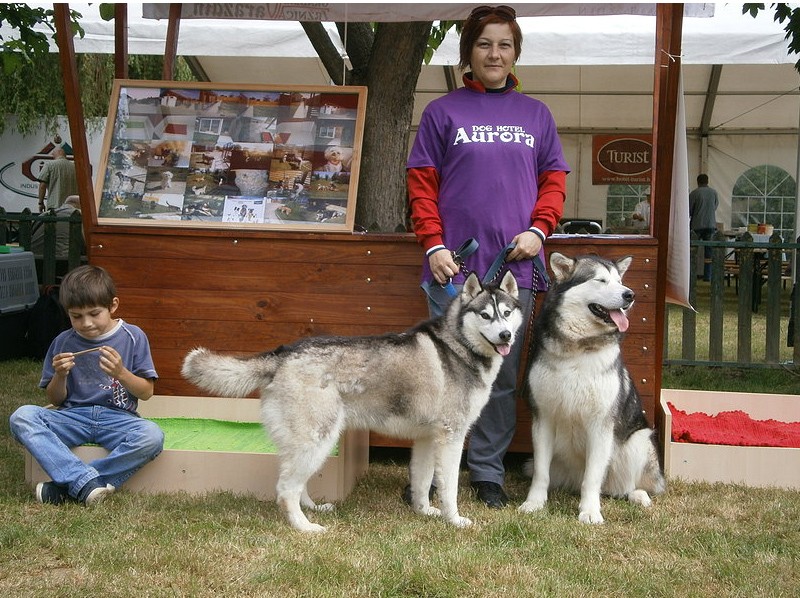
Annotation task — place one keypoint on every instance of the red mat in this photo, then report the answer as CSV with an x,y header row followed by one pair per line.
x,y
734,428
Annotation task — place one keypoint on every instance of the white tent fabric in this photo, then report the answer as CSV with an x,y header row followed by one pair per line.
x,y
397,12
610,36
678,251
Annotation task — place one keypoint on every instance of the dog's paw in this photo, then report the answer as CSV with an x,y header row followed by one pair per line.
x,y
591,517
460,521
531,506
310,528
429,511
324,507
640,497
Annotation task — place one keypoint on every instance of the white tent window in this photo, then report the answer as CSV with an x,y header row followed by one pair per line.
x,y
620,202
765,194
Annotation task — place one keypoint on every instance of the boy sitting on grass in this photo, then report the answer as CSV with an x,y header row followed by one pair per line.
x,y
94,374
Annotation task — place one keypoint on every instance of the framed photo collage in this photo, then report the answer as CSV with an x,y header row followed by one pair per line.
x,y
217,155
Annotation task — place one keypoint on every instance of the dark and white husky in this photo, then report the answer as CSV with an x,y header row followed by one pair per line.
x,y
589,432
427,384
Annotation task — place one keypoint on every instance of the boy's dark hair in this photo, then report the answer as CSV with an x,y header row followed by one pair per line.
x,y
87,286
702,179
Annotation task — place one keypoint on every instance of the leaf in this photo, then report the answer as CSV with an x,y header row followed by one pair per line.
x,y
11,61
752,8
29,42
107,11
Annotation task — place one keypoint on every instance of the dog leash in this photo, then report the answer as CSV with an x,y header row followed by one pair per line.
x,y
539,273
470,246
466,249
494,269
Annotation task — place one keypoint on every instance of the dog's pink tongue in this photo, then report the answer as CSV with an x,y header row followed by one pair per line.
x,y
620,319
503,349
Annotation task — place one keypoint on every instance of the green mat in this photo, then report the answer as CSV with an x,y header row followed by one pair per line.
x,y
196,434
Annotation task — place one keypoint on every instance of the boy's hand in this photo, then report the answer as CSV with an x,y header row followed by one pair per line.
x,y
111,362
63,363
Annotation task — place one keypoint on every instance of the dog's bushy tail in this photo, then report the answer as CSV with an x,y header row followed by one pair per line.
x,y
226,375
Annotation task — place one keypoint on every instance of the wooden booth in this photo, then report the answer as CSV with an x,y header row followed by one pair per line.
x,y
245,289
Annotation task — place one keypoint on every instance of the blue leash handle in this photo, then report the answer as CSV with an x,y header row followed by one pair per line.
x,y
466,249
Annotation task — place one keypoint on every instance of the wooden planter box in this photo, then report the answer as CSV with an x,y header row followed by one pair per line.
x,y
198,472
749,465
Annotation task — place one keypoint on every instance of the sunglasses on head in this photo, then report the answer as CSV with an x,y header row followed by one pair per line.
x,y
504,12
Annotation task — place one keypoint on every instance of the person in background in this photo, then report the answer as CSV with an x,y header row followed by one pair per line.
x,y
641,214
71,204
57,181
703,204
487,164
94,374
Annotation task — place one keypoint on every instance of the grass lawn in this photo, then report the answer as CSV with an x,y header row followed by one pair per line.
x,y
697,539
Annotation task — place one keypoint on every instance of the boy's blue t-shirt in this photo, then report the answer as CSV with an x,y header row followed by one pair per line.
x,y
87,384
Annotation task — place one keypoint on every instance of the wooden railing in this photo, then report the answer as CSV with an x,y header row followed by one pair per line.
x,y
751,290
18,228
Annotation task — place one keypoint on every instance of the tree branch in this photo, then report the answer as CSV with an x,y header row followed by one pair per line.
x,y
359,38
327,52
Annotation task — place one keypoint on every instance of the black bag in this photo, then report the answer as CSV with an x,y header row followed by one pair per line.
x,y
46,321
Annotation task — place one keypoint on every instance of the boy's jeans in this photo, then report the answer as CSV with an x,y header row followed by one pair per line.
x,y
48,434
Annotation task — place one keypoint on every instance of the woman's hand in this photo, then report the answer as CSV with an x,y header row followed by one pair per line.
x,y
442,266
529,244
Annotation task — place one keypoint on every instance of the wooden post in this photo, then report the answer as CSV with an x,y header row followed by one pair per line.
x,y
669,25
121,41
171,49
77,126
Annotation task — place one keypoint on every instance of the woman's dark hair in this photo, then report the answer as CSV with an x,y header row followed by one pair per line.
x,y
477,20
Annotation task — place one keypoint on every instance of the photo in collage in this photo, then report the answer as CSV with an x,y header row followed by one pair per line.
x,y
230,156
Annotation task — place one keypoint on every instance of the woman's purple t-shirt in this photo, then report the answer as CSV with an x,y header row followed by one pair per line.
x,y
489,150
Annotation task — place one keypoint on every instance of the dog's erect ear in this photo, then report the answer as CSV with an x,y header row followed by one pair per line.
x,y
472,286
509,285
561,265
623,264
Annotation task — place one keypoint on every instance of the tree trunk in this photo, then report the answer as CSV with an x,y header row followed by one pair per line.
x,y
390,70
392,76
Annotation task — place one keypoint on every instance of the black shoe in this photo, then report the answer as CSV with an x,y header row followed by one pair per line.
x,y
50,493
490,494
407,494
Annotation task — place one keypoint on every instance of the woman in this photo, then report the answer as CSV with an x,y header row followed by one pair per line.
x,y
487,163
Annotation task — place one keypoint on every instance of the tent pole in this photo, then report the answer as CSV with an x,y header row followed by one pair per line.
x,y
669,26
703,154
121,41
797,193
171,49
77,126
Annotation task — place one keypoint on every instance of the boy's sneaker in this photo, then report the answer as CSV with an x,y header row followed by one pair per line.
x,y
94,493
50,493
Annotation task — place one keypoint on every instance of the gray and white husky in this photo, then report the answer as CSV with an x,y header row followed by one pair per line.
x,y
427,384
589,432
